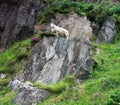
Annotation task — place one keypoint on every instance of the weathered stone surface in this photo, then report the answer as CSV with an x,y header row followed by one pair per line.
x,y
27,95
55,57
107,32
17,19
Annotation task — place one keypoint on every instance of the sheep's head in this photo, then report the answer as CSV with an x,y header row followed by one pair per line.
x,y
52,25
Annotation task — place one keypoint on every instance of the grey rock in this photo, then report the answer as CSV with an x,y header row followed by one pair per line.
x,y
17,19
96,27
27,95
107,32
55,57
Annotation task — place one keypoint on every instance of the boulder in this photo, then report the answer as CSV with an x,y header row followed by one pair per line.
x,y
107,32
27,94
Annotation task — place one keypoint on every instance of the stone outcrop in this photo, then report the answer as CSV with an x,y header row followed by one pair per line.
x,y
55,57
27,94
17,19
107,32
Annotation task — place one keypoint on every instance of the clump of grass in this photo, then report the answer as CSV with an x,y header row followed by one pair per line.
x,y
4,90
58,87
4,82
13,55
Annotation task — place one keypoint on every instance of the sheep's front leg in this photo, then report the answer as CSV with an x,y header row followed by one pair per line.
x,y
67,37
57,34
52,30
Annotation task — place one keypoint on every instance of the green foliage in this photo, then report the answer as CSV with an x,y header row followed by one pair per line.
x,y
4,82
4,90
117,9
7,99
94,11
115,98
110,83
61,6
14,55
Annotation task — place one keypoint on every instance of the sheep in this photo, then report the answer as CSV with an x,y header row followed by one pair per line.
x,y
59,30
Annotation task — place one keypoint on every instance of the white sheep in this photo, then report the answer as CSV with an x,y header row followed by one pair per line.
x,y
59,30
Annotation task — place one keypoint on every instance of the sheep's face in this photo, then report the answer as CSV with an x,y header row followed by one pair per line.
x,y
52,25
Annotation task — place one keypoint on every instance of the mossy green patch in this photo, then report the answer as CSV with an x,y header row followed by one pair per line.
x,y
7,99
58,87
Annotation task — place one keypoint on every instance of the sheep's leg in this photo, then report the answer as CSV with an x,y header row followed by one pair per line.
x,y
57,34
52,30
67,37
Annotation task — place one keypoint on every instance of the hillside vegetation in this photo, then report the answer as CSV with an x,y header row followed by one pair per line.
x,y
103,85
101,88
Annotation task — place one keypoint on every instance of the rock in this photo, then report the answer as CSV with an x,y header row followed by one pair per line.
x,y
96,27
39,28
55,57
17,19
34,41
27,95
107,32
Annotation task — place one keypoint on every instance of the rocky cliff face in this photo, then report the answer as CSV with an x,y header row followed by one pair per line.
x,y
17,19
54,57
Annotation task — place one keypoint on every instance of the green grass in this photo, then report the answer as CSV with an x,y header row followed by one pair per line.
x,y
7,98
13,60
13,56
